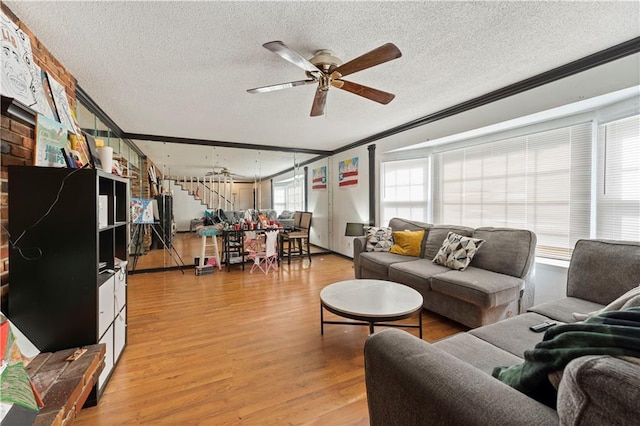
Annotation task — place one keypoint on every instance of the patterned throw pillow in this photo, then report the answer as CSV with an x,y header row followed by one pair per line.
x,y
378,239
457,251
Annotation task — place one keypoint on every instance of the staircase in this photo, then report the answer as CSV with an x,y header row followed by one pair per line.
x,y
191,197
206,190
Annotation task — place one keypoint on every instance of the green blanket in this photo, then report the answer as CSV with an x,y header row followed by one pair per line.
x,y
615,333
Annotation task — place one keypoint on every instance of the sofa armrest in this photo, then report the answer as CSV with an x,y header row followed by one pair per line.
x,y
599,389
359,246
410,381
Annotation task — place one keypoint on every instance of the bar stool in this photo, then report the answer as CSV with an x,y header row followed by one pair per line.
x,y
213,233
300,238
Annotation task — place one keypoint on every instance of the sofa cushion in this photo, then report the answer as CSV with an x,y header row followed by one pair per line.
x,y
512,335
378,239
629,299
505,250
416,273
562,309
477,286
614,333
378,262
457,251
598,390
408,243
437,235
398,224
600,270
474,351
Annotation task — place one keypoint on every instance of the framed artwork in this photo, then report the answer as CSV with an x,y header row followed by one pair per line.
x,y
141,210
61,101
80,148
17,63
93,151
44,101
51,140
319,179
348,173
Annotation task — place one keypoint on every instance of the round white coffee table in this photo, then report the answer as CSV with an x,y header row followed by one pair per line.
x,y
373,301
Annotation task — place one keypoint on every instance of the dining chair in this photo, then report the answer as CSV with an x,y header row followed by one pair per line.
x,y
297,217
300,238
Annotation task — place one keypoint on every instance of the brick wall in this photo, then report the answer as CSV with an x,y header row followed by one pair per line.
x,y
18,142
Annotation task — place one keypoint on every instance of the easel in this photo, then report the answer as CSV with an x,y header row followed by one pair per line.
x,y
138,237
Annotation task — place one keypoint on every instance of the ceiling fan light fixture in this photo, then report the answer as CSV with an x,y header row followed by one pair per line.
x,y
325,60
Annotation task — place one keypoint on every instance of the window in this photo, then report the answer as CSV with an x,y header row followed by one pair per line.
x,y
618,211
405,190
279,198
538,181
288,194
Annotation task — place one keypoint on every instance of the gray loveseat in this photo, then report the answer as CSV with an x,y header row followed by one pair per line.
x,y
498,283
412,382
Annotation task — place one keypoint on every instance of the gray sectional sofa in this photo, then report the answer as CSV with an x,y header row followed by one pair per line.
x,y
498,283
412,382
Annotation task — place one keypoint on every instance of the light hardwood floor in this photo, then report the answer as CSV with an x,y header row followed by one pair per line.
x,y
240,348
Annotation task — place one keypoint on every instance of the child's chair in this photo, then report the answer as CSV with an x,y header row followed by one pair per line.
x,y
267,258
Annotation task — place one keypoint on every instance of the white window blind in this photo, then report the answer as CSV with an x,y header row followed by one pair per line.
x,y
405,190
538,181
618,201
279,198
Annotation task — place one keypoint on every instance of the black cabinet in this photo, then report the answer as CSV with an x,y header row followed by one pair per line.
x,y
67,226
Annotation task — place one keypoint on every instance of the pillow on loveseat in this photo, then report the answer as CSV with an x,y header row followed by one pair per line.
x,y
407,243
378,239
457,251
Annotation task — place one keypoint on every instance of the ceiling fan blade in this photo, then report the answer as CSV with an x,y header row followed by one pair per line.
x,y
364,91
279,48
281,86
377,56
319,101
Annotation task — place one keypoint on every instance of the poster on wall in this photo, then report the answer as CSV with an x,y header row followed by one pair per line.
x,y
44,99
348,173
62,103
141,210
17,63
51,139
319,179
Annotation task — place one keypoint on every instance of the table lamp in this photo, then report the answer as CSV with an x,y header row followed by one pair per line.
x,y
354,230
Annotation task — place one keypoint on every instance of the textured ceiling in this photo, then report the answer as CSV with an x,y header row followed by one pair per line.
x,y
182,68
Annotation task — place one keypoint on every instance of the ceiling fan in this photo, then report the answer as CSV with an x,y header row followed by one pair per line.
x,y
325,70
221,171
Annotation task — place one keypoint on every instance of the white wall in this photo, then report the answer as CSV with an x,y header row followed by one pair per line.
x,y
348,204
263,200
185,207
551,281
319,203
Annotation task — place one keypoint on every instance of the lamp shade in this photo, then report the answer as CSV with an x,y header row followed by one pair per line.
x,y
354,230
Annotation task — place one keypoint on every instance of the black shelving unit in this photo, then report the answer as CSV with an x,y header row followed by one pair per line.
x,y
66,226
